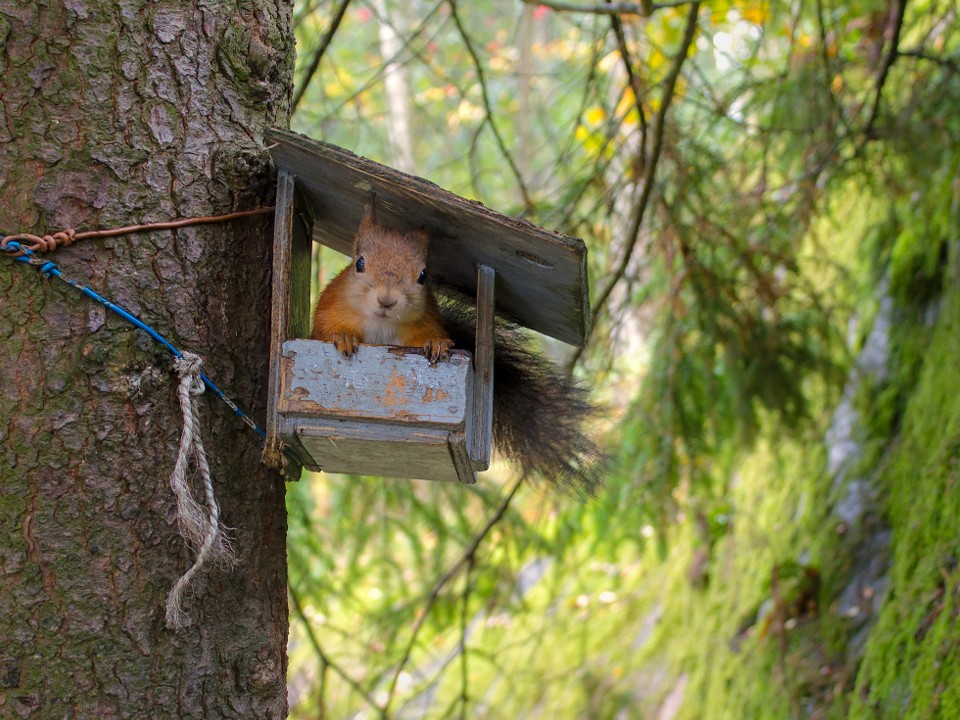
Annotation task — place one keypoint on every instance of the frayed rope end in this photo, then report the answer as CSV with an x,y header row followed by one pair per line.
x,y
199,524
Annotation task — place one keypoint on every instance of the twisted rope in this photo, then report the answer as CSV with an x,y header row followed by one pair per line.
x,y
199,526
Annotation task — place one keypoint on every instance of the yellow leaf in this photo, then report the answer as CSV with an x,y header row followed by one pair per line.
x,y
655,60
433,94
680,89
595,115
757,14
627,100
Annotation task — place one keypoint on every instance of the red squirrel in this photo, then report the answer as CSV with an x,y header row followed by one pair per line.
x,y
384,297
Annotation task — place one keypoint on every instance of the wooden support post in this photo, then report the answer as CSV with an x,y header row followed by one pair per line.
x,y
483,371
280,317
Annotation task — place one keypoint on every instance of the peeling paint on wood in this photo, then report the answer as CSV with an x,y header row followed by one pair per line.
x,y
374,384
385,411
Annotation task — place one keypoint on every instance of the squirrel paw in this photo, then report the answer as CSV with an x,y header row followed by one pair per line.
x,y
347,344
438,349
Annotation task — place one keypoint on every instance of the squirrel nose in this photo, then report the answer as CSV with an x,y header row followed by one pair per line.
x,y
386,302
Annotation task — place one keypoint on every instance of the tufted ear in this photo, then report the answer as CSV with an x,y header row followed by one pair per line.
x,y
369,220
368,225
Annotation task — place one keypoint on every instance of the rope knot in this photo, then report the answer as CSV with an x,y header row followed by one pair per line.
x,y
188,366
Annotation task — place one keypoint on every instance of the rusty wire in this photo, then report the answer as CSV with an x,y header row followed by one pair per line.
x,y
49,243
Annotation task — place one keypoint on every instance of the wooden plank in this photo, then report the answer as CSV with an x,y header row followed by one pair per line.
x,y
381,450
280,311
298,325
460,456
481,435
541,275
380,383
287,431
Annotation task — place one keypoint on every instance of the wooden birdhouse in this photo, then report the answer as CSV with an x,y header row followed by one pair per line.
x,y
386,411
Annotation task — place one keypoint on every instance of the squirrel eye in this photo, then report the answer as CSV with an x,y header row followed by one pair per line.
x,y
360,264
423,276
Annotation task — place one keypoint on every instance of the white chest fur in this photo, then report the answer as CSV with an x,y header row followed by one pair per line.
x,y
381,332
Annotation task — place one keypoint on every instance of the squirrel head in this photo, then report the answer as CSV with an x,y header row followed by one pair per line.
x,y
389,272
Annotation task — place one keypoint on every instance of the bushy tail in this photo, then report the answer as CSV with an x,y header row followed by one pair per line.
x,y
539,412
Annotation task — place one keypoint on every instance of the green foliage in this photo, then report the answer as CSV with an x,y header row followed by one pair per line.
x,y
798,187
914,650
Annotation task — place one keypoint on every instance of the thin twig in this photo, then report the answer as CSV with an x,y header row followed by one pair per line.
x,y
305,11
888,60
952,64
325,660
564,157
488,108
627,58
640,208
602,161
473,158
464,674
828,70
643,9
651,166
382,66
318,54
466,559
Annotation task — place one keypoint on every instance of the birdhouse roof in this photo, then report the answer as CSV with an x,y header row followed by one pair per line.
x,y
541,276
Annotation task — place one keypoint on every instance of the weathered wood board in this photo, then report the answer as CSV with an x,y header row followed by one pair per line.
x,y
385,411
290,307
379,382
482,416
541,276
346,447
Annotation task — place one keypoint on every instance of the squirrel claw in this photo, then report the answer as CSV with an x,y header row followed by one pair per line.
x,y
438,349
346,344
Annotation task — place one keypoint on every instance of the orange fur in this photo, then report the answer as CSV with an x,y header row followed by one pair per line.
x,y
538,410
383,304
334,320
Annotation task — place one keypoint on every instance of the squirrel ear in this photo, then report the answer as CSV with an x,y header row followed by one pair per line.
x,y
368,225
369,220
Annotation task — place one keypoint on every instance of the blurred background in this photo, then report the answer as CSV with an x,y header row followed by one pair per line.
x,y
770,195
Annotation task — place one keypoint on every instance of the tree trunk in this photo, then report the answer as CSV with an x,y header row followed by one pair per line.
x,y
116,113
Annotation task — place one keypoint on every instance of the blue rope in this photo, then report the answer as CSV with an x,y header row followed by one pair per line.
x,y
49,269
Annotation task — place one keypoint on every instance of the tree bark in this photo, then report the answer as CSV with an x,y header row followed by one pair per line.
x,y
115,113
